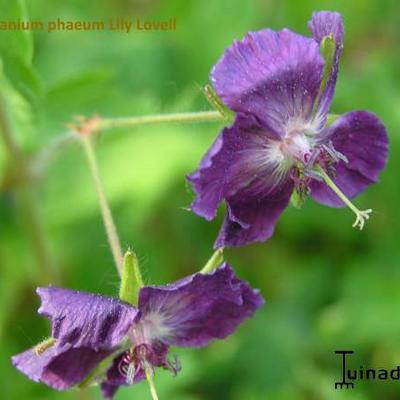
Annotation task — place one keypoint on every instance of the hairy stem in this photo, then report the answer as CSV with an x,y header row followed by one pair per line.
x,y
49,153
108,220
111,231
128,122
26,198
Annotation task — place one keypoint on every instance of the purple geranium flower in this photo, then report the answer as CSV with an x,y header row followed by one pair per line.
x,y
282,143
89,330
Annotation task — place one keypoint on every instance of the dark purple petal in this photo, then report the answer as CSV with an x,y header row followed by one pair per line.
x,y
237,157
207,180
362,138
85,319
253,213
272,75
199,308
326,23
59,367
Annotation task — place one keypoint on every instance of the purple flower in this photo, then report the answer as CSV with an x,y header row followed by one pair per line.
x,y
115,342
282,143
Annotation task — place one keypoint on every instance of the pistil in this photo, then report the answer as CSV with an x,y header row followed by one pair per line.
x,y
361,215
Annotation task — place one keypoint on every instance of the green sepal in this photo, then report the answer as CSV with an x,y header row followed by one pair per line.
x,y
327,50
215,261
297,199
217,103
131,279
44,345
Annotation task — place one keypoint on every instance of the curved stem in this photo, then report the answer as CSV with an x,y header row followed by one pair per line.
x,y
128,122
111,230
46,156
106,214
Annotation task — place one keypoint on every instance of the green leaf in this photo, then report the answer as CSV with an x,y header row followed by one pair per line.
x,y
22,115
16,43
23,77
16,52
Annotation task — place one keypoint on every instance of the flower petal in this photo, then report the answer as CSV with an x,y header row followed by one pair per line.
x,y
253,213
59,367
362,138
199,308
235,159
272,75
85,319
326,23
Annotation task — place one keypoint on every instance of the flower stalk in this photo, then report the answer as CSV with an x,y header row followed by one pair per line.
x,y
109,225
49,153
130,122
152,386
128,266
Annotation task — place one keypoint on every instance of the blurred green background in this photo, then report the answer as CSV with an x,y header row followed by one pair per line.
x,y
327,285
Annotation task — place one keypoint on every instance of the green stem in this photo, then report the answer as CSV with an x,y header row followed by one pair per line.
x,y
128,122
152,386
216,259
108,220
46,156
26,198
111,230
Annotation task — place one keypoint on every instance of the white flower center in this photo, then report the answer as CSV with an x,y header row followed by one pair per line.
x,y
291,148
294,146
150,328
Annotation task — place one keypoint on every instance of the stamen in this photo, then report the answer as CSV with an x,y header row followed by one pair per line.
x,y
131,373
126,367
336,155
361,215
